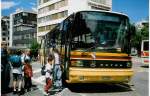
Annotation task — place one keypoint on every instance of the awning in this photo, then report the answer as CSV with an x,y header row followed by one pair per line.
x,y
40,34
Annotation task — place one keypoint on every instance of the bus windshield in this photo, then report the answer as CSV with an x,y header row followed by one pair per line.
x,y
99,30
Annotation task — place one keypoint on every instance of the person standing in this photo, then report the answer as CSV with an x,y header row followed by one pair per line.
x,y
48,75
27,75
26,57
15,61
5,69
57,70
41,54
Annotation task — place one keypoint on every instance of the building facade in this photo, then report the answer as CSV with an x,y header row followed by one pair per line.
x,y
52,12
5,30
141,24
23,29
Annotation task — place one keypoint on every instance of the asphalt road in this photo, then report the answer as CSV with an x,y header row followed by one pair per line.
x,y
138,84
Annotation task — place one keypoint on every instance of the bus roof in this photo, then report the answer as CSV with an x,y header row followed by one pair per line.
x,y
89,11
118,13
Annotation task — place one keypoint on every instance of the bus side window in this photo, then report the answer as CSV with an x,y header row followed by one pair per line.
x,y
67,23
67,26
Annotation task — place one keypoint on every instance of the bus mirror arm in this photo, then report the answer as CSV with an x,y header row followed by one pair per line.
x,y
132,30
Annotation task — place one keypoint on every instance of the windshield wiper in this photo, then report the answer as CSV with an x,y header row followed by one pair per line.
x,y
93,47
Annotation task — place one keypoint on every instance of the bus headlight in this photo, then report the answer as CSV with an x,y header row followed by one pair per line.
x,y
129,64
77,63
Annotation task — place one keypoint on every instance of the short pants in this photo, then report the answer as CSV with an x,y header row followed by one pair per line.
x,y
17,76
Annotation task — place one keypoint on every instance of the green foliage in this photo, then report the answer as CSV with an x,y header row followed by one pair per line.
x,y
136,40
145,31
34,47
140,34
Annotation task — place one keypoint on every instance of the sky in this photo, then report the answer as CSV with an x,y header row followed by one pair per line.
x,y
137,10
10,6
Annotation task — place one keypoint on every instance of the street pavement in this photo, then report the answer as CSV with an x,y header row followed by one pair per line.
x,y
138,84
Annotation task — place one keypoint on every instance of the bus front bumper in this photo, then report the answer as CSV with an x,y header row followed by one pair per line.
x,y
95,75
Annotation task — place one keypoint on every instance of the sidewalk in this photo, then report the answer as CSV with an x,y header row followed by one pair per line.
x,y
136,59
39,80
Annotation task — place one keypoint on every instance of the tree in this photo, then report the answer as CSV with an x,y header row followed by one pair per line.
x,y
34,48
145,31
140,34
136,41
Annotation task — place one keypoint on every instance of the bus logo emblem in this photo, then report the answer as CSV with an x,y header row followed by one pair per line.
x,y
93,65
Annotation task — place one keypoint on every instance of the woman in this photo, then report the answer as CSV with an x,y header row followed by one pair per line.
x,y
57,69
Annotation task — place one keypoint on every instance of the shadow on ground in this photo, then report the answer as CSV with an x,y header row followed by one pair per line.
x,y
145,66
99,88
10,91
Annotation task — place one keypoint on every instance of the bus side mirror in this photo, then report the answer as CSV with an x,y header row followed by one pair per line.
x,y
61,26
132,30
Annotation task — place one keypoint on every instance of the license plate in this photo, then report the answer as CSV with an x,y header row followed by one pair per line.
x,y
106,78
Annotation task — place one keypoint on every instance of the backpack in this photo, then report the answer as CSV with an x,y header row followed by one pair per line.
x,y
16,61
43,72
28,70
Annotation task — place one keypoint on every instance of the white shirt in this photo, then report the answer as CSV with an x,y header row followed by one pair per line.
x,y
48,67
23,57
57,58
17,70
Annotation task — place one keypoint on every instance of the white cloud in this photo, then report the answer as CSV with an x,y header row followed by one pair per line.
x,y
34,9
33,4
7,4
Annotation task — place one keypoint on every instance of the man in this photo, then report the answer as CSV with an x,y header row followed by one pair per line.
x,y
15,61
5,69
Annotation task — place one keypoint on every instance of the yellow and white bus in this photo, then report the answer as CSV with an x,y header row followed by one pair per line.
x,y
95,47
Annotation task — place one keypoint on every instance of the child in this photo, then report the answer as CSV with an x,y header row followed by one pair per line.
x,y
27,75
48,75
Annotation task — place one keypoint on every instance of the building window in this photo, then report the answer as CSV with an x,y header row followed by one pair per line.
x,y
99,7
39,2
44,1
54,6
41,28
51,7
46,28
53,16
3,34
4,39
27,36
100,1
25,14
